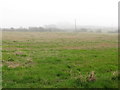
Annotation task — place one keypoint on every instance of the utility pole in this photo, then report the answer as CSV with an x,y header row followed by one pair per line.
x,y
75,26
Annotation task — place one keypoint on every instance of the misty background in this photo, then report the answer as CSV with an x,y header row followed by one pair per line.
x,y
60,15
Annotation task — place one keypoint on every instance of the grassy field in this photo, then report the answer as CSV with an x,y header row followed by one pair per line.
x,y
59,60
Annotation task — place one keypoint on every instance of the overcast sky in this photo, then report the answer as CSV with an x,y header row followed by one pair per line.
x,y
25,13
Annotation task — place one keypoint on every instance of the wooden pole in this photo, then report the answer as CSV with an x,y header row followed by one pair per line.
x,y
75,26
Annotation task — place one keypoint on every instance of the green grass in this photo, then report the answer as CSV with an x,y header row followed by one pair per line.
x,y
62,62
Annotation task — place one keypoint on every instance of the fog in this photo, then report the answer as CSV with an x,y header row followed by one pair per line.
x,y
60,13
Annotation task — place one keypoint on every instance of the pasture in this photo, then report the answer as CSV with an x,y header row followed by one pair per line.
x,y
59,60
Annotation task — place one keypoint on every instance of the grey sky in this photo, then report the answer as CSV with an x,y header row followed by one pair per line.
x,y
25,13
